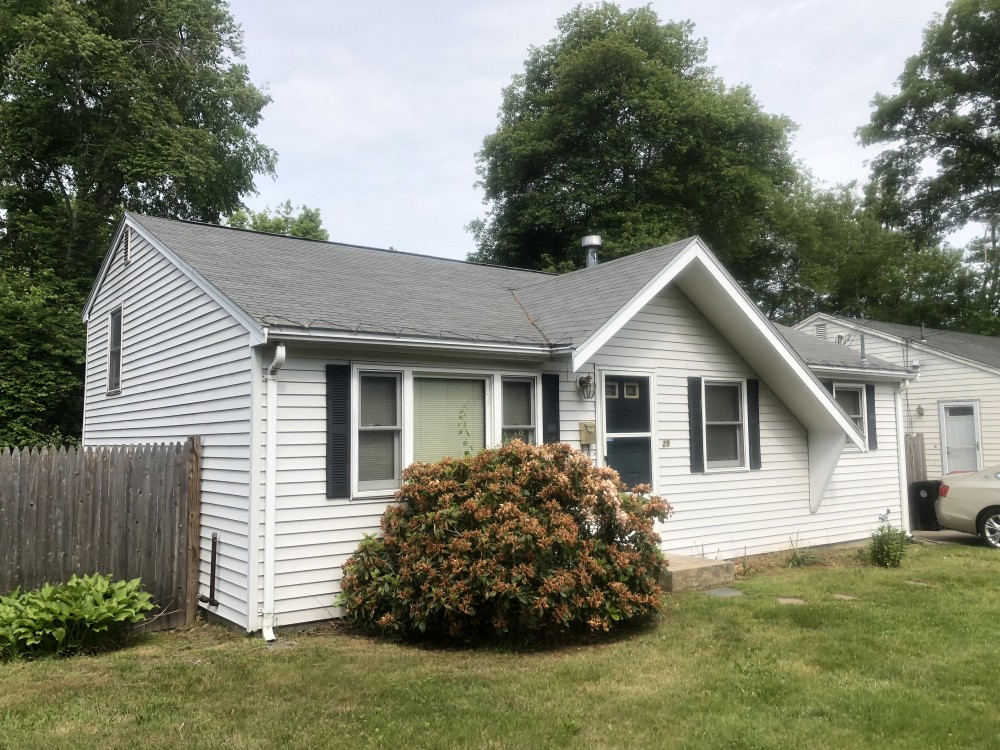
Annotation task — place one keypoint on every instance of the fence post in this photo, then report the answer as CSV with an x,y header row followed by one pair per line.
x,y
193,529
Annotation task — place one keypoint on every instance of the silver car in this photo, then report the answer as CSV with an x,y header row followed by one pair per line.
x,y
970,502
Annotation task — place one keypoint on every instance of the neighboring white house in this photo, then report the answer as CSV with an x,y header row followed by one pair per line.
x,y
954,401
314,372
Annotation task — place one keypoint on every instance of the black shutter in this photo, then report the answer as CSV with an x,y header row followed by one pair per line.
x,y
753,422
338,431
550,407
696,426
828,384
870,407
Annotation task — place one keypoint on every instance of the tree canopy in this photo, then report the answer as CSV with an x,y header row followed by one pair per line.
x,y
105,105
282,220
617,127
941,169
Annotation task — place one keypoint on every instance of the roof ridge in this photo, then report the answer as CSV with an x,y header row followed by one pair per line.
x,y
335,243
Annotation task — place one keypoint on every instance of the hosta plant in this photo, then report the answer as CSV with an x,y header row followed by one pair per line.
x,y
85,613
517,539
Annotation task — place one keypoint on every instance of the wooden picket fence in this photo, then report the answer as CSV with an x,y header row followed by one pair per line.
x,y
125,511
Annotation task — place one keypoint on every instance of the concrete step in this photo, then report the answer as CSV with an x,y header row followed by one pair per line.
x,y
684,573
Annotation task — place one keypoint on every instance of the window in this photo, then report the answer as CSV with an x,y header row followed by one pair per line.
x,y
518,409
379,431
724,425
851,400
449,417
381,419
115,351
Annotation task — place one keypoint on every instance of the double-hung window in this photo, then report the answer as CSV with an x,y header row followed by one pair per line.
x,y
851,400
379,430
725,425
519,409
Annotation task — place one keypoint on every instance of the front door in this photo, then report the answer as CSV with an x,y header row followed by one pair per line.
x,y
960,437
628,436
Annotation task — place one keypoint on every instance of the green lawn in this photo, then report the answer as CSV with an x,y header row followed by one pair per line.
x,y
913,662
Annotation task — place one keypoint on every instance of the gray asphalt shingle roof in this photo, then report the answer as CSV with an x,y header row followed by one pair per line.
x,y
982,349
287,282
819,353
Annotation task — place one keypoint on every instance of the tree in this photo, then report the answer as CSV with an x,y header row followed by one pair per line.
x,y
40,336
617,127
282,220
942,170
107,105
837,256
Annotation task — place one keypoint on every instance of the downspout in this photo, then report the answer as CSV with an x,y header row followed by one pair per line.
x,y
904,490
270,488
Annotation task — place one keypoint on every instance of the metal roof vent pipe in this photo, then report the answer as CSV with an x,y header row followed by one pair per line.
x,y
591,244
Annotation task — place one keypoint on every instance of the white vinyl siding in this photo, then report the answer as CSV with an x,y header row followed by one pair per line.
x,y
941,380
185,371
314,535
727,514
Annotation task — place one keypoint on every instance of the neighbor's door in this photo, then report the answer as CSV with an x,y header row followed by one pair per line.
x,y
628,436
960,437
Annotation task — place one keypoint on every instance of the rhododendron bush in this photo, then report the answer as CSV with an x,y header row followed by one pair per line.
x,y
519,538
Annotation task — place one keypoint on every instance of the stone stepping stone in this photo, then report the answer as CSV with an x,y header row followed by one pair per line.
x,y
919,583
845,598
723,592
790,600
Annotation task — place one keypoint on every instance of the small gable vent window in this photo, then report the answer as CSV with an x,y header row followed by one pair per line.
x,y
821,330
115,351
127,246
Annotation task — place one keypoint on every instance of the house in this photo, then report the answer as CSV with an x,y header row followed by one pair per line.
x,y
314,372
954,400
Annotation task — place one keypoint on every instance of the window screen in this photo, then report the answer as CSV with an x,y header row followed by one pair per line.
x,y
115,351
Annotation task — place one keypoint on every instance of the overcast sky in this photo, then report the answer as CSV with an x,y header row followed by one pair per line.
x,y
380,106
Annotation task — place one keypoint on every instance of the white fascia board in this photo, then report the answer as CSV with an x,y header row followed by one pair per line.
x,y
614,324
253,328
857,373
105,265
276,333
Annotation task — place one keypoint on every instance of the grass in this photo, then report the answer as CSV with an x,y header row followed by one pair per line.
x,y
913,662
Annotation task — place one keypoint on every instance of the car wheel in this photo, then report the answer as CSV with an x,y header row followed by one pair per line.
x,y
989,528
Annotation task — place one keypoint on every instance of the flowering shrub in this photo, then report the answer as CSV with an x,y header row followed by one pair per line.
x,y
516,539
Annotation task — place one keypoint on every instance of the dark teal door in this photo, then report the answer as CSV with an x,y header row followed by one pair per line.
x,y
627,428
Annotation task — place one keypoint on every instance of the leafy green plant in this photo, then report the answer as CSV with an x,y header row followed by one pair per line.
x,y
887,547
517,539
85,613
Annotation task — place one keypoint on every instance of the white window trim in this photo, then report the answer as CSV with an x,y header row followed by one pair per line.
x,y
603,434
493,391
120,308
860,387
744,418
